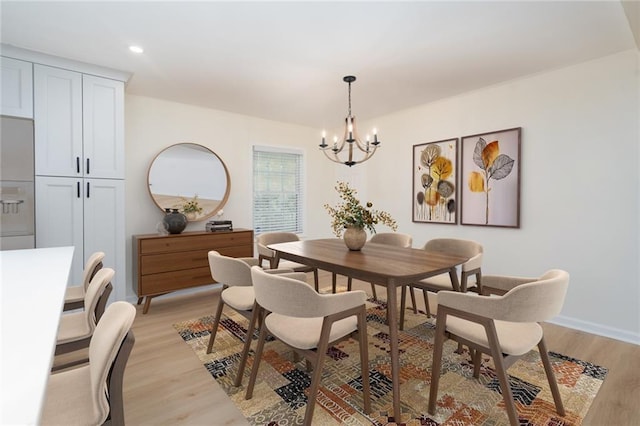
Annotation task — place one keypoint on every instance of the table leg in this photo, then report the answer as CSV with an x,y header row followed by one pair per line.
x,y
392,318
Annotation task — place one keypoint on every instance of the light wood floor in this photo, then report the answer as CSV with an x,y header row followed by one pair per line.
x,y
165,384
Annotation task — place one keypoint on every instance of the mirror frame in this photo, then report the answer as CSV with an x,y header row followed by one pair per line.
x,y
226,172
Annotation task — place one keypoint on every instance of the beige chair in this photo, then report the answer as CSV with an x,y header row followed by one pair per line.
x,y
308,322
264,253
74,296
505,327
395,239
92,394
471,250
234,273
76,328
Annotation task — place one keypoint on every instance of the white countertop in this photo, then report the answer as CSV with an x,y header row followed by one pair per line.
x,y
32,288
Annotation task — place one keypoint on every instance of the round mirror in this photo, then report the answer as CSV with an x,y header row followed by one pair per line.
x,y
191,178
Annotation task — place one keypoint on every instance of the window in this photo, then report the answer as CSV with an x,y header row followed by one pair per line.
x,y
277,190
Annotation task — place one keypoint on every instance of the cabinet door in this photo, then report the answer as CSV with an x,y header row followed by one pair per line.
x,y
59,218
104,226
58,121
103,127
17,87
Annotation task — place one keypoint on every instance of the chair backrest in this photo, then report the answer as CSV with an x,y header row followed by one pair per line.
x,y
396,239
96,296
104,349
535,301
93,265
263,240
472,250
295,298
229,270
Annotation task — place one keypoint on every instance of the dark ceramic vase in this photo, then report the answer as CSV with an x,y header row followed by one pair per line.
x,y
174,221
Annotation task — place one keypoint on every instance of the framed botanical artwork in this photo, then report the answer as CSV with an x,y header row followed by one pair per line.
x,y
490,179
435,173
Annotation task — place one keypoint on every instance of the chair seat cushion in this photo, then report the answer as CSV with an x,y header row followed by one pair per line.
x,y
304,333
240,298
68,400
73,327
440,282
443,282
516,338
74,294
296,267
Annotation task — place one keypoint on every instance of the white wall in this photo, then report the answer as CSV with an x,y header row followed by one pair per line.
x,y
580,179
579,183
153,124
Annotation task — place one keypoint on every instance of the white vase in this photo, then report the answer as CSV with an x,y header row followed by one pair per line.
x,y
354,238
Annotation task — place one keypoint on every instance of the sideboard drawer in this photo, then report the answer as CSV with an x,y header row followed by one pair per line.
x,y
175,280
196,242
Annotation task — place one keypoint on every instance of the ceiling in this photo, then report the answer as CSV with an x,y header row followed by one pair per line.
x,y
285,60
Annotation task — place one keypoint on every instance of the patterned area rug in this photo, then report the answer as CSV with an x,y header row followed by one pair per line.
x,y
280,399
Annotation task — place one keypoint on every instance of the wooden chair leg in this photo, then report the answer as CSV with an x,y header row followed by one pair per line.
x,y
334,282
373,291
349,283
427,309
317,373
216,322
476,356
256,362
413,300
316,282
501,372
548,369
437,360
247,343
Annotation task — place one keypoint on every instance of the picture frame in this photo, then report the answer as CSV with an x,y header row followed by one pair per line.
x,y
434,195
490,179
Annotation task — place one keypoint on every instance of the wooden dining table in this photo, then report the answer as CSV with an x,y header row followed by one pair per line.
x,y
381,264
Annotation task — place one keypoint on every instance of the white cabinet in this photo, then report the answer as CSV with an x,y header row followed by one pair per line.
x,y
87,214
79,167
79,124
17,87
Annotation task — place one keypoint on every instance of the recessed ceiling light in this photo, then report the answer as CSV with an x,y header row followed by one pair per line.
x,y
136,49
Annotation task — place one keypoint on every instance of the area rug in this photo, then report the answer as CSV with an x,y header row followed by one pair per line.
x,y
280,398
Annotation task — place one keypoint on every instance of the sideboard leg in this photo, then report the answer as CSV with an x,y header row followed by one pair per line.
x,y
147,303
140,300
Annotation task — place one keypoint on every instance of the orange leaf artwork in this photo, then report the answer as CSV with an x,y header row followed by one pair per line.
x,y
494,166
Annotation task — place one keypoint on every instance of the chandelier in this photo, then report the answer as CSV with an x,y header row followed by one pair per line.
x,y
351,148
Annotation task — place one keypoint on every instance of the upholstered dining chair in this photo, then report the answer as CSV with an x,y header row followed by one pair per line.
x,y
505,327
76,328
395,239
469,249
265,253
308,322
74,296
92,394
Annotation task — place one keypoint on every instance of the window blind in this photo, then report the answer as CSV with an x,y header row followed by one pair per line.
x,y
277,190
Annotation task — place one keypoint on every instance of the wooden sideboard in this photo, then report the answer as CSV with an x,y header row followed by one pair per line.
x,y
166,263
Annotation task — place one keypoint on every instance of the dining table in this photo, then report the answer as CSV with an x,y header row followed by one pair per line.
x,y
33,284
381,264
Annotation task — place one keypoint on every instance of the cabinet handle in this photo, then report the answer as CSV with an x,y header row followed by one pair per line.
x,y
88,191
78,188
88,166
77,164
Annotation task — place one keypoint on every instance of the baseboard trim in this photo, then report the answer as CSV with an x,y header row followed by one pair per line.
x,y
132,298
598,329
